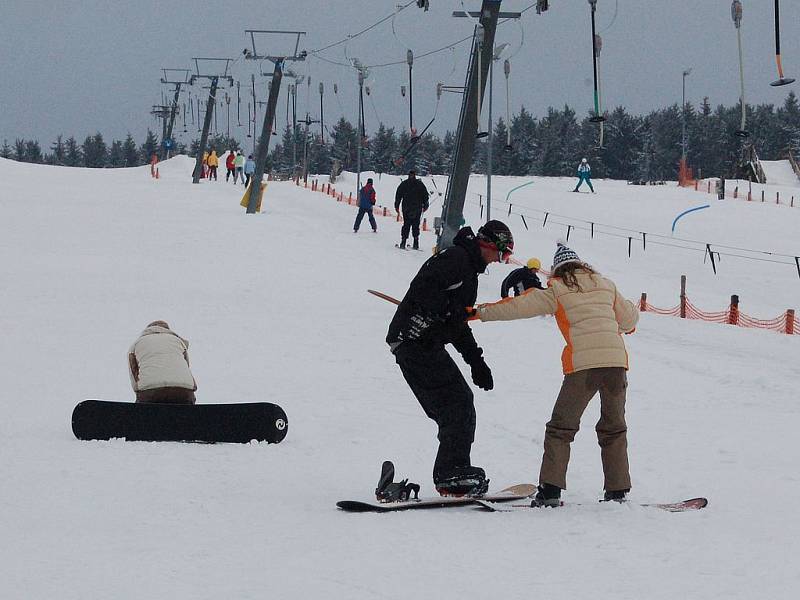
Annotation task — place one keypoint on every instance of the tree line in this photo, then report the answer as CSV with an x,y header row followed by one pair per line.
x,y
635,147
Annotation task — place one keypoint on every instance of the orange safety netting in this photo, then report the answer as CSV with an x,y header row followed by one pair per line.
x,y
786,323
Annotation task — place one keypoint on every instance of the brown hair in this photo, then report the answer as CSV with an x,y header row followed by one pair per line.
x,y
566,273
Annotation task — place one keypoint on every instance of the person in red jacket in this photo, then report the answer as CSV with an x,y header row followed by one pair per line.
x,y
229,164
366,201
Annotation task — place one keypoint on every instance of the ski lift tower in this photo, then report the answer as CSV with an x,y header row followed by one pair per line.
x,y
161,111
177,78
481,56
214,75
291,54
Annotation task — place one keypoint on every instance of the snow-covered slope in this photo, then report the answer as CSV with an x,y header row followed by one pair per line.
x,y
780,172
275,308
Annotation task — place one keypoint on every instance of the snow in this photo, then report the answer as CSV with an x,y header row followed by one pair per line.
x,y
275,308
780,172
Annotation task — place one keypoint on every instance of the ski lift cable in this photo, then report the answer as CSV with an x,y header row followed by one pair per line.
x,y
365,30
613,18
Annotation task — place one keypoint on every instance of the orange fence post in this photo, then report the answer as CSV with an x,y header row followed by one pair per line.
x,y
790,321
733,313
736,192
762,195
749,196
643,302
696,182
384,211
424,224
777,197
709,186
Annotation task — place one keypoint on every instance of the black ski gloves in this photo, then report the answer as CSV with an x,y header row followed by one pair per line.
x,y
482,374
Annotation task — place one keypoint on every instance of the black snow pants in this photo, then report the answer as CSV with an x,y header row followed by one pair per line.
x,y
410,222
445,397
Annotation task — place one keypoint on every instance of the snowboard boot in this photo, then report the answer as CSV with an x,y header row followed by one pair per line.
x,y
462,481
416,244
402,245
547,495
615,496
390,491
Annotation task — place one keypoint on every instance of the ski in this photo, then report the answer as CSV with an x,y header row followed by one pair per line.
x,y
509,494
684,506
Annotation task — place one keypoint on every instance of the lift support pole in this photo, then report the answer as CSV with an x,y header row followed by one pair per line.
x,y
482,53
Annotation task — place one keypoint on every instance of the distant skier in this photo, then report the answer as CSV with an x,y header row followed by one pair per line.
x,y
584,174
433,313
522,279
366,200
213,163
592,315
230,165
238,163
413,195
158,364
249,169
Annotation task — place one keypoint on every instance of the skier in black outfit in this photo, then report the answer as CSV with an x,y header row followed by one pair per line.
x,y
413,194
434,313
522,279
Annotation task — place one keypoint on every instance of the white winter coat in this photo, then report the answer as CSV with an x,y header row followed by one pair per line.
x,y
159,359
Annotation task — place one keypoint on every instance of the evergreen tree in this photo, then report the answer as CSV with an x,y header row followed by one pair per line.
x,y
95,151
384,149
130,155
116,155
33,152
19,150
789,124
344,142
149,147
524,144
622,144
72,155
5,150
59,151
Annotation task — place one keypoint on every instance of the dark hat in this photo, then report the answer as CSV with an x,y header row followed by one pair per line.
x,y
564,256
369,180
497,233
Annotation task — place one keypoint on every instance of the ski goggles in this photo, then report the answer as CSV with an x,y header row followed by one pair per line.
x,y
504,249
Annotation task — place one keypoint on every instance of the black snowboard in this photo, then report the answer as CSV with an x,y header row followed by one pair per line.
x,y
232,423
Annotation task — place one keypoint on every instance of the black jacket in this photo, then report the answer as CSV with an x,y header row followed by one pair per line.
x,y
445,285
414,196
520,280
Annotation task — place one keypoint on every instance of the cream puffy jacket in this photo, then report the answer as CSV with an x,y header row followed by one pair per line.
x,y
158,359
591,319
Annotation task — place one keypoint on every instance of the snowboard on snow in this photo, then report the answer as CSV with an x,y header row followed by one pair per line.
x,y
684,506
515,492
209,423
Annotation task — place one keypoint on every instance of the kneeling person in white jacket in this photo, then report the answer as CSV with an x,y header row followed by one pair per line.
x,y
158,363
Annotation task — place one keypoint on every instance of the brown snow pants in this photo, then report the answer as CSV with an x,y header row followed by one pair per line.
x,y
167,395
576,391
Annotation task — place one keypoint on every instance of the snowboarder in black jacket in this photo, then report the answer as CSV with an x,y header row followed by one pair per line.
x,y
413,195
522,279
433,313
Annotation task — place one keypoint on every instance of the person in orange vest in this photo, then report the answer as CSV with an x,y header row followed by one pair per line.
x,y
592,316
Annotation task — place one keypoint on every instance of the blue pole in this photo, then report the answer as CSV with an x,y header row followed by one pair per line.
x,y
686,212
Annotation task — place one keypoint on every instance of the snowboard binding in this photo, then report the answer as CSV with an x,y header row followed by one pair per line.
x,y
390,491
463,481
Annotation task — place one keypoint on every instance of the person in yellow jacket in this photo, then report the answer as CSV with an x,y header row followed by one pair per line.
x,y
213,163
592,316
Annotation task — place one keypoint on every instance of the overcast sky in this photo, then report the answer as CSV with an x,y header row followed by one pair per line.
x,y
77,67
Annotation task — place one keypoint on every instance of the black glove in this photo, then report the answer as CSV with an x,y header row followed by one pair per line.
x,y
481,374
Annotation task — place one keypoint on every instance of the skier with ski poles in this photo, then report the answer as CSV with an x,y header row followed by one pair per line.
x,y
584,174
592,315
522,279
413,195
433,313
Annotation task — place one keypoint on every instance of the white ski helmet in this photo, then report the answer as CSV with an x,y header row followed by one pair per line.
x,y
583,160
